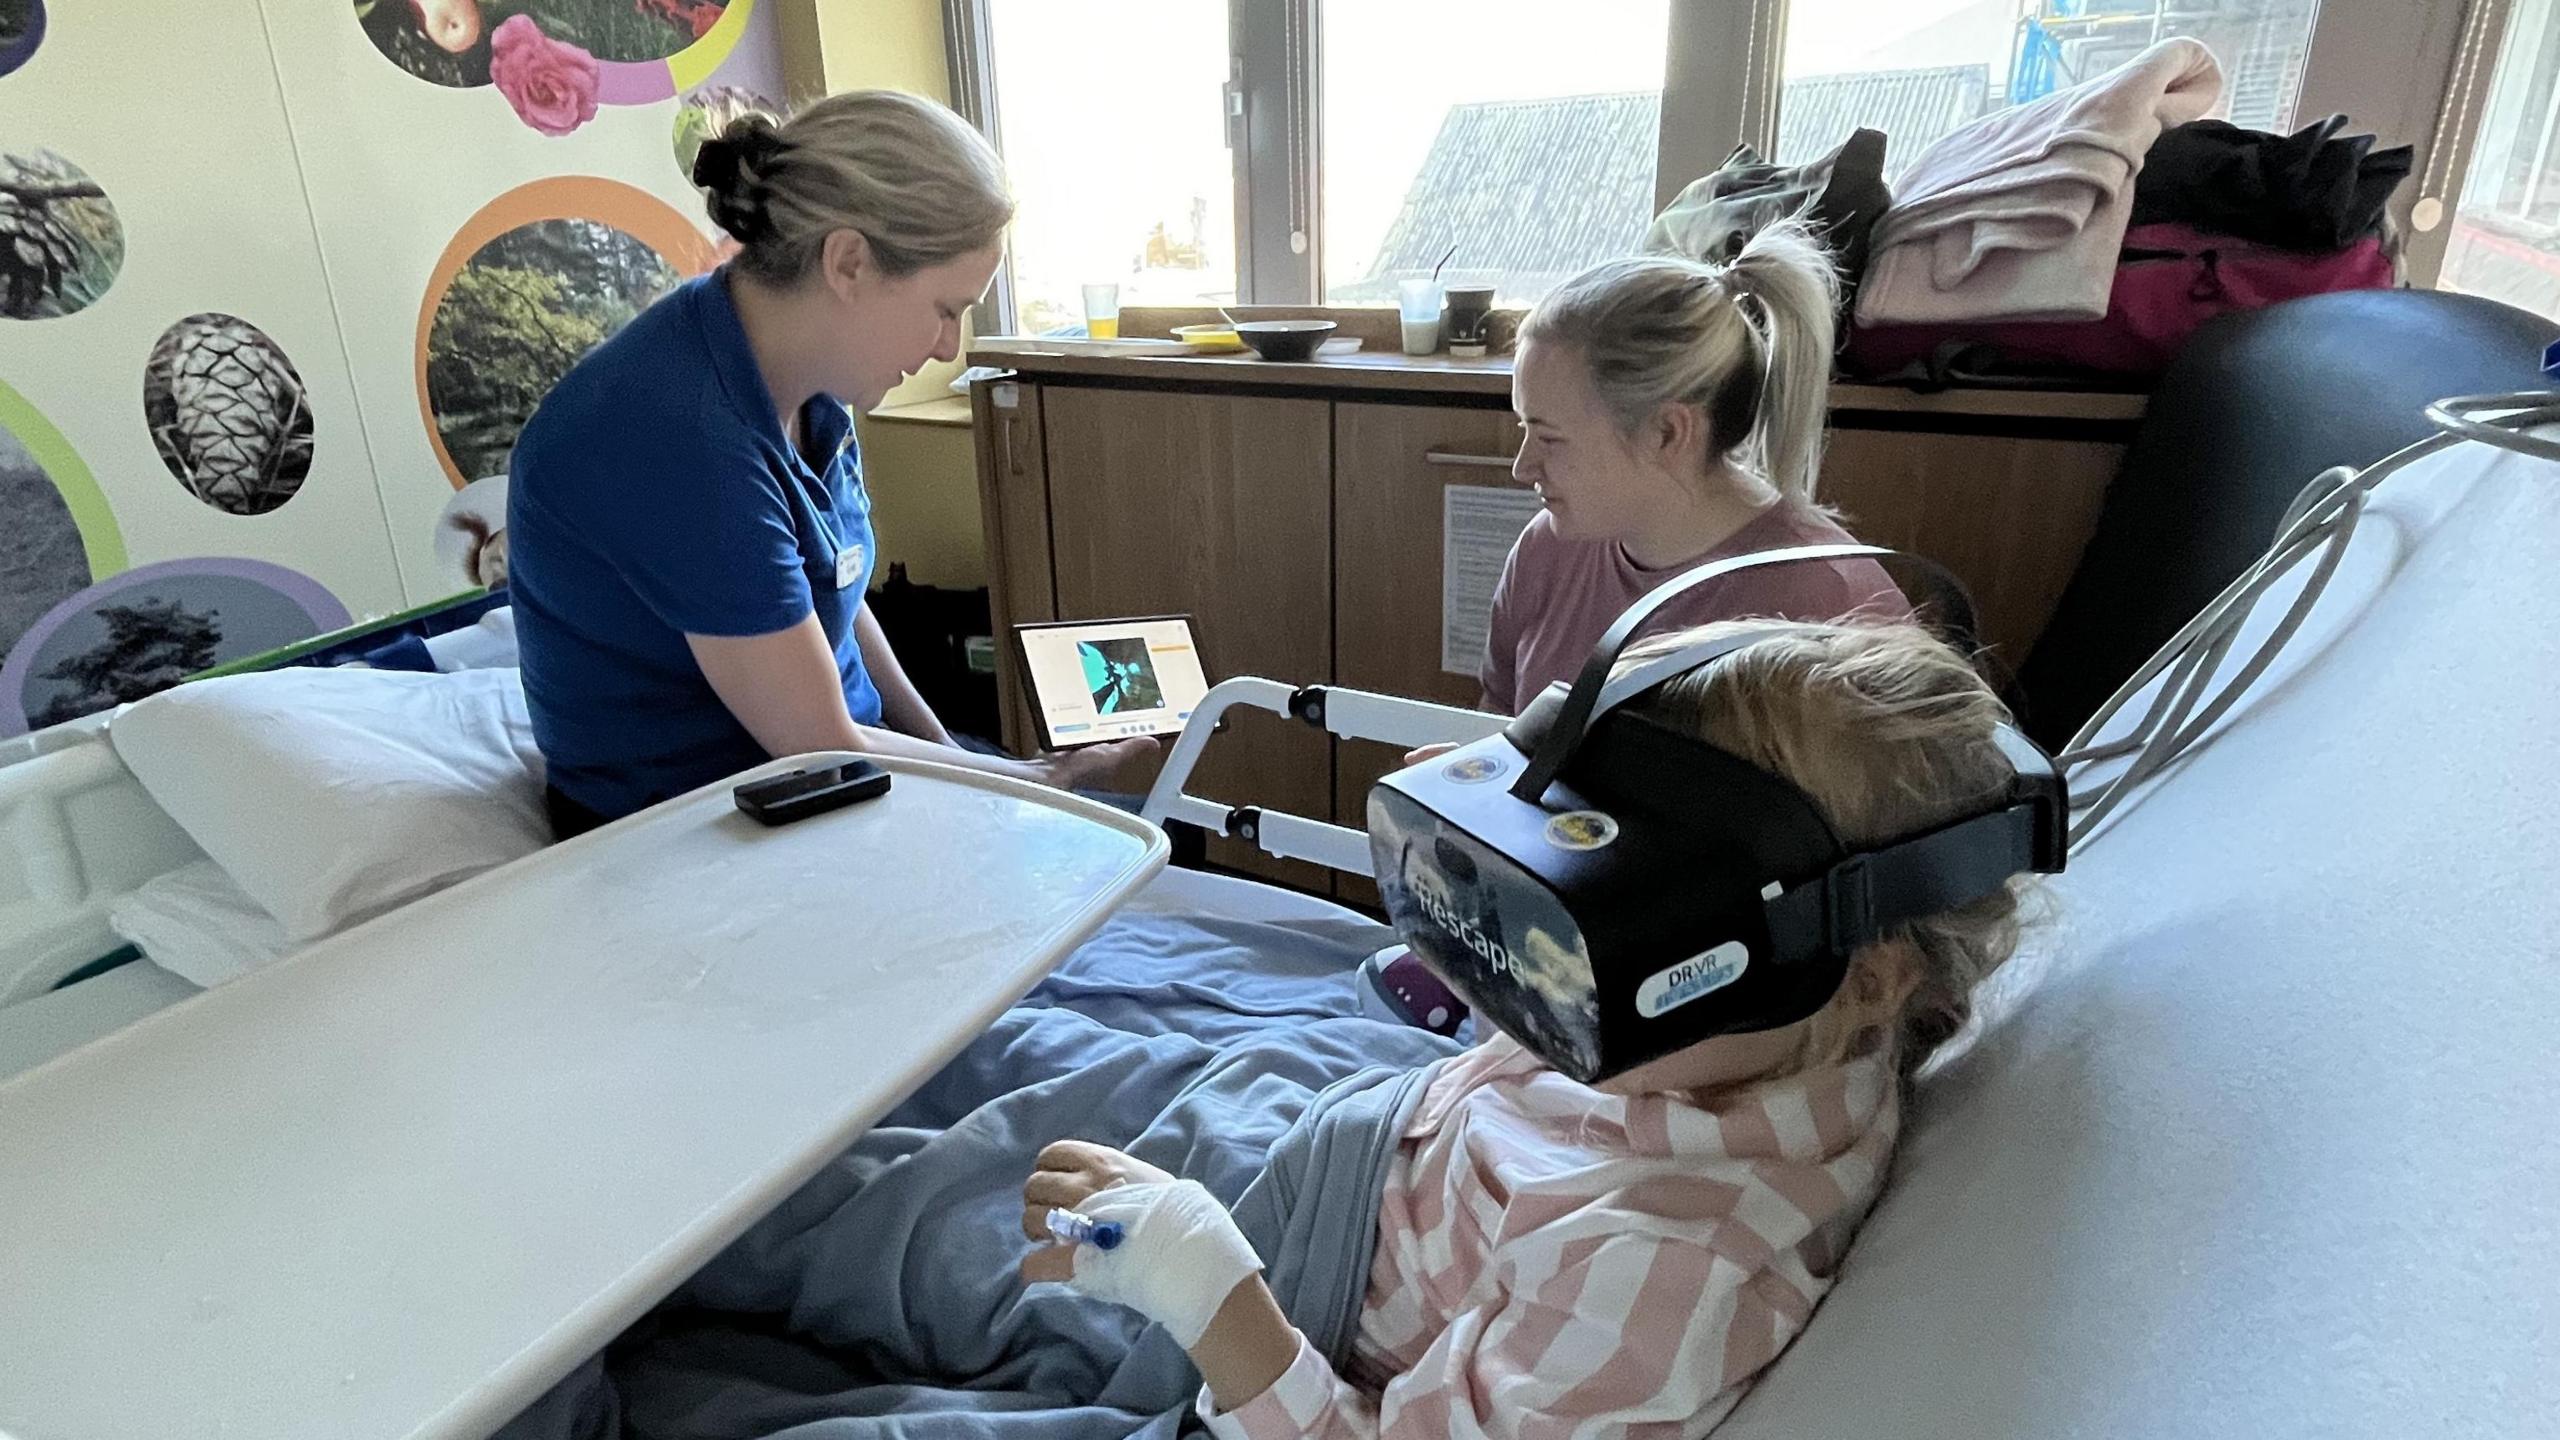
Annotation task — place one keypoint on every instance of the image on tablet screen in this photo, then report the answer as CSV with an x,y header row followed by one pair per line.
x,y
1111,679
1120,676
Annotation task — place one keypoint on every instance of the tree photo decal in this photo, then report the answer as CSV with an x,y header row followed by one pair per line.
x,y
150,646
522,311
42,558
141,631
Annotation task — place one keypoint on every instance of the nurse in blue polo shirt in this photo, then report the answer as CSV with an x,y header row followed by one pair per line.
x,y
689,538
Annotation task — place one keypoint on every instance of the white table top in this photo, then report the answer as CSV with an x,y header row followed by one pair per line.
x,y
401,1183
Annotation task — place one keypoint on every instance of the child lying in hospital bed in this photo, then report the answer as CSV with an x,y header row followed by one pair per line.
x,y
1355,1228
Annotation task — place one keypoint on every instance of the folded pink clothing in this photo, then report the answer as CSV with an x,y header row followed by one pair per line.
x,y
2019,215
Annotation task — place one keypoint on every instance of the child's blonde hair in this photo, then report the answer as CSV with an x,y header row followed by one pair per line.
x,y
909,176
1888,731
1747,342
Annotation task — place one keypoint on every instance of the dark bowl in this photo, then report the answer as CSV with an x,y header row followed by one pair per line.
x,y
1284,339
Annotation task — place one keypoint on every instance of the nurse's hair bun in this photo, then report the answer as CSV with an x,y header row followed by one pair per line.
x,y
733,167
912,179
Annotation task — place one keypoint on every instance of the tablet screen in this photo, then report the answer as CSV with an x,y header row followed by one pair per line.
x,y
1111,679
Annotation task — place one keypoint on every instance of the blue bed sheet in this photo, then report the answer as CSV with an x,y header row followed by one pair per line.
x,y
881,1300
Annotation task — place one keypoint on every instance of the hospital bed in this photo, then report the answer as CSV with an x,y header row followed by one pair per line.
x,y
400,1181
82,833
78,833
2251,1140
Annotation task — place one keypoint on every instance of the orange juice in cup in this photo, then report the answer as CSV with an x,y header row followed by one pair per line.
x,y
1102,311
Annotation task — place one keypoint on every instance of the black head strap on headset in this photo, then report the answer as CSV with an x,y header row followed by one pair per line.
x,y
1549,731
1871,895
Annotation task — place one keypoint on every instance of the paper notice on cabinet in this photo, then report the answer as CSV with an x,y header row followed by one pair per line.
x,y
1478,525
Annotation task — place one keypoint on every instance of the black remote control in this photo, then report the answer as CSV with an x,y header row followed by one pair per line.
x,y
782,799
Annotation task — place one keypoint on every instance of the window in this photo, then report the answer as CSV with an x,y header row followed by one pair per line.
x,y
1143,137
1441,133
2505,238
1111,117
1202,152
1917,69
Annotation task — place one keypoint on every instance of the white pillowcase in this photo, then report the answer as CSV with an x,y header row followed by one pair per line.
x,y
489,642
332,795
198,924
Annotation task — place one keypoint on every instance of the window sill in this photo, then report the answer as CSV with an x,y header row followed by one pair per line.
x,y
949,410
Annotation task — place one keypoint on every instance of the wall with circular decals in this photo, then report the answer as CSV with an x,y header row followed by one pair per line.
x,y
21,31
61,243
538,278
151,627
228,414
555,61
224,336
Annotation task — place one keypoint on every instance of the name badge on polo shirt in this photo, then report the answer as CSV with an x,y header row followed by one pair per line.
x,y
849,567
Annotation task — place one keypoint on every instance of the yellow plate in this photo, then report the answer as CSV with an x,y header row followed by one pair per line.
x,y
1212,338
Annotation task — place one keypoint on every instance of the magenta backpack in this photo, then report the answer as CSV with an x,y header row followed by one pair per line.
x,y
2170,279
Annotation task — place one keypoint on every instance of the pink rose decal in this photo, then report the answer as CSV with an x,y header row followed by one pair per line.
x,y
551,83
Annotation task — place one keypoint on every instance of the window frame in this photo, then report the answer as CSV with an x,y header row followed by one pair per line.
x,y
966,32
2404,69
1275,110
2541,131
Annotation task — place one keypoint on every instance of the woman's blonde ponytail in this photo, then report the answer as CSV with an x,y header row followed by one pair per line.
x,y
1786,277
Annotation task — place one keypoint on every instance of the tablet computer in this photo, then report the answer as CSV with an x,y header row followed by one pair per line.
x,y
1097,680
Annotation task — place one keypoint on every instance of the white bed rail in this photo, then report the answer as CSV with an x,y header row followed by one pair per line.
x,y
1346,714
77,831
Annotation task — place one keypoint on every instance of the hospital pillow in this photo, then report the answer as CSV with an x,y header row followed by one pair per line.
x,y
332,795
490,641
198,924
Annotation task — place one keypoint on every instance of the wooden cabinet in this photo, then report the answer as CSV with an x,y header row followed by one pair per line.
x,y
1392,465
2008,514
1220,507
1297,513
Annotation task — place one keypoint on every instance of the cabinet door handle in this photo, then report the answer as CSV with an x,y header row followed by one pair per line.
x,y
1460,457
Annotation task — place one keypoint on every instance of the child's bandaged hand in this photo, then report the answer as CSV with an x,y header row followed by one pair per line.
x,y
1183,1255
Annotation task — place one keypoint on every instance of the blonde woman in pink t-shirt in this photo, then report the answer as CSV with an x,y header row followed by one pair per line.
x,y
1671,413
1618,1259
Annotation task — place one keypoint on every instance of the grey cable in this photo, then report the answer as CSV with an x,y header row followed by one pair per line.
x,y
2455,416
2320,522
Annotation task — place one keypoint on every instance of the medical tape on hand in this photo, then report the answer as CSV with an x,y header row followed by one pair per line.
x,y
1183,1256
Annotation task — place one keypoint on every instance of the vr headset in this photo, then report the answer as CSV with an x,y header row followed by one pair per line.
x,y
1608,889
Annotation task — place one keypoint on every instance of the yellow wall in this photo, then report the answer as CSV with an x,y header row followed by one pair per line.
x,y
884,45
803,50
896,44
923,478
924,501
